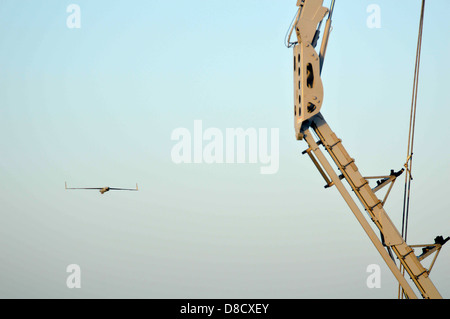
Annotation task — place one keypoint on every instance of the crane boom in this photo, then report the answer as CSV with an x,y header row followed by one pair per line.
x,y
308,118
372,205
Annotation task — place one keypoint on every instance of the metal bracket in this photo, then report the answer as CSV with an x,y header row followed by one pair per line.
x,y
319,168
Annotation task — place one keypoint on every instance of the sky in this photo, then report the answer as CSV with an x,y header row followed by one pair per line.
x,y
97,106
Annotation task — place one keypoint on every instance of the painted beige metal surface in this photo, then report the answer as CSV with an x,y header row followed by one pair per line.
x,y
374,207
358,214
308,97
308,87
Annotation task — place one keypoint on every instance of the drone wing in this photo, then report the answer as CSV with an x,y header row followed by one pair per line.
x,y
85,188
97,188
107,188
123,189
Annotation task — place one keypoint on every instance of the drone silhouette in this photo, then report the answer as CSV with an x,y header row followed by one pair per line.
x,y
106,189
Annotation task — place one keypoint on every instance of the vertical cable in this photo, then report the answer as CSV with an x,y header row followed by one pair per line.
x,y
411,135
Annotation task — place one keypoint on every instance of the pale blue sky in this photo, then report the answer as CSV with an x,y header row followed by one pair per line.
x,y
96,106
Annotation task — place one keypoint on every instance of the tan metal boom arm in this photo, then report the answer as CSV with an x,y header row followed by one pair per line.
x,y
308,98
